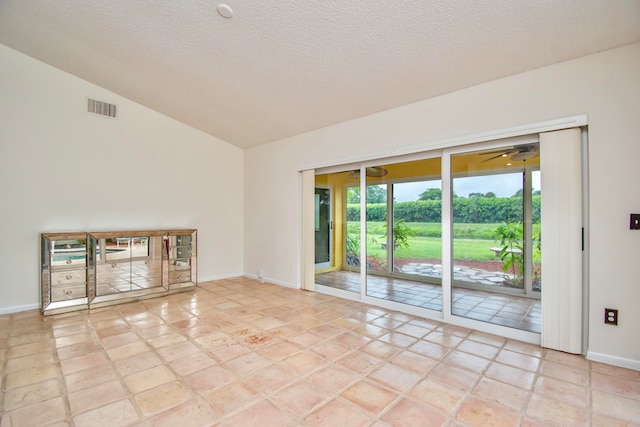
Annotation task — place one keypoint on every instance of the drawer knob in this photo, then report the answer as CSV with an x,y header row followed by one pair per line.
x,y
68,261
68,292
69,277
113,265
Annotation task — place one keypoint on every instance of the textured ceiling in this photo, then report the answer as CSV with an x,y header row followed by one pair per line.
x,y
280,68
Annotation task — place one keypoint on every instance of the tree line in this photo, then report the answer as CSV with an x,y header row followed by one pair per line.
x,y
465,210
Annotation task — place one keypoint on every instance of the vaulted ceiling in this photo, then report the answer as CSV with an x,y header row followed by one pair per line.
x,y
279,68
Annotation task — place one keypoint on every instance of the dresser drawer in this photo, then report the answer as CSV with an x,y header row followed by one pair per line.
x,y
179,276
69,277
68,292
182,264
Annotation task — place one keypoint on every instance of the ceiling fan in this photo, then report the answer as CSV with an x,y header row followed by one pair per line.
x,y
517,152
372,172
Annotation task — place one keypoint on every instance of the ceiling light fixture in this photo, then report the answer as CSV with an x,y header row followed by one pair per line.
x,y
224,10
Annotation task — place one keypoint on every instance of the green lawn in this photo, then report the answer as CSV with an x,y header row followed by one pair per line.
x,y
471,241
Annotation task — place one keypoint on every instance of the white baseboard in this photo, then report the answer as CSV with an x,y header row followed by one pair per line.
x,y
614,360
18,308
219,277
275,282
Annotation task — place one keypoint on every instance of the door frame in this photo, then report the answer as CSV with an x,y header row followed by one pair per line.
x,y
444,147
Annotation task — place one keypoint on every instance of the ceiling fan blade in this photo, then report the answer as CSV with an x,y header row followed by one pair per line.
x,y
504,150
376,172
502,154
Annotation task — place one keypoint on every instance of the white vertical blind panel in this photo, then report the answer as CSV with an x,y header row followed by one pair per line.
x,y
308,233
561,207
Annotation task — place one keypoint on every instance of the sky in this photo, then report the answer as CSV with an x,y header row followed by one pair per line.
x,y
504,185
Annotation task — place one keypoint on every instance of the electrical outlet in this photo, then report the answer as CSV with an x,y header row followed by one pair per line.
x,y
610,316
634,223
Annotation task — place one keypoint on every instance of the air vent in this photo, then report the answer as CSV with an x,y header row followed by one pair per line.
x,y
101,108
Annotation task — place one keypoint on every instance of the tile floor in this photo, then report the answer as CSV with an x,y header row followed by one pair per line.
x,y
501,309
239,353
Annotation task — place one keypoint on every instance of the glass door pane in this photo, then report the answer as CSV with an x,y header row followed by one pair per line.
x,y
337,231
403,233
494,237
323,227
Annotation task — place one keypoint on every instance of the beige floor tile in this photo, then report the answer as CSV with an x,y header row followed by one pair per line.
x,y
337,413
455,377
269,379
510,375
165,340
121,413
188,365
119,340
333,378
432,350
299,398
445,339
616,406
37,414
228,351
89,378
467,361
262,413
380,349
563,391
479,349
303,363
414,362
208,379
330,350
80,363
306,339
248,363
408,413
191,413
480,413
370,397
441,396
28,349
627,387
359,362
352,340
504,394
127,350
565,373
149,378
162,398
566,359
395,377
518,360
231,398
30,361
137,363
178,351
30,376
555,412
32,393
279,351
79,349
96,396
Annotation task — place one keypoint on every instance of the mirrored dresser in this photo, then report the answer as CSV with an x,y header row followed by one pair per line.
x,y
63,275
95,269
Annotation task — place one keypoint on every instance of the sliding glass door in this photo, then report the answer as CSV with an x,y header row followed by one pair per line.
x,y
454,235
496,236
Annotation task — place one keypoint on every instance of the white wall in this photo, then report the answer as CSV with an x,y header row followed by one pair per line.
x,y
62,169
606,86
